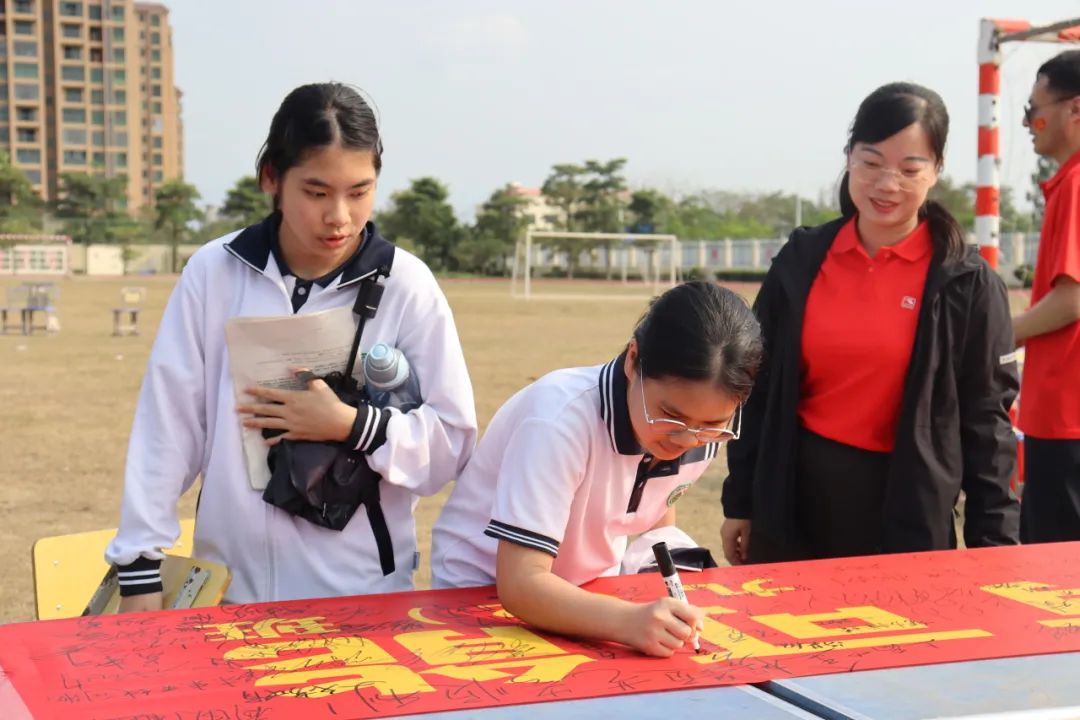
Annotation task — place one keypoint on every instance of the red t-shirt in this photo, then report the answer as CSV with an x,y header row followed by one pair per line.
x,y
858,332
1050,388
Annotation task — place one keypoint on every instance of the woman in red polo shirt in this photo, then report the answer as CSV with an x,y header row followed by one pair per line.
x,y
889,372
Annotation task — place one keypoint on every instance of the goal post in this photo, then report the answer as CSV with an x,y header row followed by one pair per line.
x,y
993,33
655,258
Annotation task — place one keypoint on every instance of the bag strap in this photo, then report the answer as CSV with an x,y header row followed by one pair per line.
x,y
367,302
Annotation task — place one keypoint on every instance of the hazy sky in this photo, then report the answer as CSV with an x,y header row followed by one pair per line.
x,y
748,96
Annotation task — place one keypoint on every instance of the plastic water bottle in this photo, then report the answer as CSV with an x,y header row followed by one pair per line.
x,y
389,381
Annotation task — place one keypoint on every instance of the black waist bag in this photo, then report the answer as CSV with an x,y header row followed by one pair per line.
x,y
325,483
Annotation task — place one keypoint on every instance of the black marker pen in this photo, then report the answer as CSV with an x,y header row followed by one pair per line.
x,y
671,580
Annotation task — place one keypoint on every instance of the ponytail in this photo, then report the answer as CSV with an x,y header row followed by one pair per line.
x,y
847,205
945,232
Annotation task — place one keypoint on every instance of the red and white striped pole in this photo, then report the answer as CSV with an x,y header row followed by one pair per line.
x,y
987,181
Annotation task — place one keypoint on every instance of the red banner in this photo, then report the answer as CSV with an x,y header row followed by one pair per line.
x,y
385,655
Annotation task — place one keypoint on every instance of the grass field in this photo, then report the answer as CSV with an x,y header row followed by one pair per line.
x,y
67,400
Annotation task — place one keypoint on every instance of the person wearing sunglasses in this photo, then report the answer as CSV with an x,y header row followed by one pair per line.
x,y
1050,405
579,462
889,371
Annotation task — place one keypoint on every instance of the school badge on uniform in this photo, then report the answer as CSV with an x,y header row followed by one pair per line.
x,y
677,493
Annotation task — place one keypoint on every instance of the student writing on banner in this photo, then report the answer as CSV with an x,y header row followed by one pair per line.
x,y
574,465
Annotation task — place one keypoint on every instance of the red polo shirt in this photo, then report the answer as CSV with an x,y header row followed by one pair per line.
x,y
1050,388
858,332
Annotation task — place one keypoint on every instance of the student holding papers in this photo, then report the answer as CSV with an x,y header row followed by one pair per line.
x,y
303,265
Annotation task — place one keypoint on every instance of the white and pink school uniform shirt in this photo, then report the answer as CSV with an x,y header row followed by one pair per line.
x,y
560,471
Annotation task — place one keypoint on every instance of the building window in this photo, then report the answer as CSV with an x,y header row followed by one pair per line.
x,y
34,176
120,159
158,125
71,9
95,34
157,142
73,95
155,73
5,134
97,97
75,136
97,117
155,55
119,139
75,157
159,159
118,34
72,31
73,72
97,55
156,107
25,114
119,97
26,27
27,92
4,113
24,6
94,11
25,48
119,117
74,115
158,176
26,134
3,71
155,20
3,91
97,75
155,38
26,70
118,55
117,12
72,52
119,76
28,155
155,91
97,138
98,159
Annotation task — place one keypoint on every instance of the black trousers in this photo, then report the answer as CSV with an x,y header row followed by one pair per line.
x,y
840,500
1050,509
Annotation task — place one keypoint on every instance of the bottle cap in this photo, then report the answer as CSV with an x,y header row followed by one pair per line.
x,y
384,367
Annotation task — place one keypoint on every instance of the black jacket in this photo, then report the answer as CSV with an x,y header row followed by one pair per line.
x,y
953,433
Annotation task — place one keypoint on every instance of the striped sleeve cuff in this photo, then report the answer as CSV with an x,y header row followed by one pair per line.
x,y
525,538
369,428
140,577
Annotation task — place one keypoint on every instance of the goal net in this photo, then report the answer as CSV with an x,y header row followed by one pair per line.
x,y
582,265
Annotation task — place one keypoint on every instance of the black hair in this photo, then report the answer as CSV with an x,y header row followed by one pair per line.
x,y
315,116
701,331
1062,73
887,111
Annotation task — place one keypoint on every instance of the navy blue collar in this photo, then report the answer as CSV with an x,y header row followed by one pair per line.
x,y
614,410
255,245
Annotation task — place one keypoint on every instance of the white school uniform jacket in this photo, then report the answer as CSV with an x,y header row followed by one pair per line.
x,y
560,471
186,424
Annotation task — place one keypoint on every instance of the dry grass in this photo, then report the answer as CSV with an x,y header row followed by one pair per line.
x,y
67,400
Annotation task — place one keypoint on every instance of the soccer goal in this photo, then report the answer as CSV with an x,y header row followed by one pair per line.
x,y
992,35
587,266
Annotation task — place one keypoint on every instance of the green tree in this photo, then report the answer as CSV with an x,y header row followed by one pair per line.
x,y
20,207
499,225
92,208
246,203
957,199
175,209
423,216
1044,170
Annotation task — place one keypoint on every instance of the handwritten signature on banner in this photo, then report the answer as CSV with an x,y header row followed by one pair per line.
x,y
433,651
